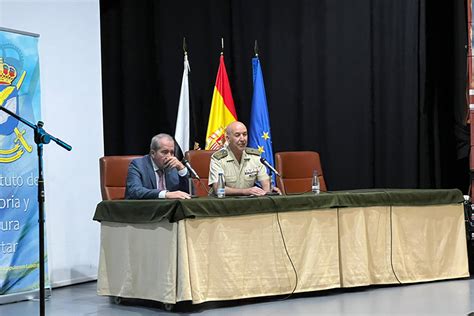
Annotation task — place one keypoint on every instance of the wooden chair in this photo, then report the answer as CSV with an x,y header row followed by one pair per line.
x,y
113,176
200,161
296,170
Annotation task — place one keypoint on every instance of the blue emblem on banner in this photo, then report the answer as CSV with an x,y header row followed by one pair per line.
x,y
8,124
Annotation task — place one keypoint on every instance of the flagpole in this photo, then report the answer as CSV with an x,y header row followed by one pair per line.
x,y
190,177
259,128
182,132
185,50
222,111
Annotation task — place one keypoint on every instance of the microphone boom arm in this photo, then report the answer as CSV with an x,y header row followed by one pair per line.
x,y
194,174
269,166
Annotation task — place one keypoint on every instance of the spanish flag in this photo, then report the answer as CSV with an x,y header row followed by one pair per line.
x,y
222,110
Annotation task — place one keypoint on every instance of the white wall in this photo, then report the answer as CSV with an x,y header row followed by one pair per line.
x,y
71,103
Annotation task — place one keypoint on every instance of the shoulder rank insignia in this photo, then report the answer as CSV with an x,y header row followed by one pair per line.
x,y
220,154
252,151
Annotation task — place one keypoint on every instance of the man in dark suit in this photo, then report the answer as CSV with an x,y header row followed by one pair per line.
x,y
159,175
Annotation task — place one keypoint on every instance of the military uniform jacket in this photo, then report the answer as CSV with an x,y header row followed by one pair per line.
x,y
241,175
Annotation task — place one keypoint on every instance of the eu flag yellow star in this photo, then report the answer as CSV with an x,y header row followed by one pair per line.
x,y
260,149
265,135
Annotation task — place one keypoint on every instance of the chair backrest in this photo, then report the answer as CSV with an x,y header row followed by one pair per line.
x,y
296,170
200,161
113,176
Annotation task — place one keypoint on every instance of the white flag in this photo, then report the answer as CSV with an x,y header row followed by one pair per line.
x,y
181,133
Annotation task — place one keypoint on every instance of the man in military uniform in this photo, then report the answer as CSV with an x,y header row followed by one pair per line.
x,y
240,165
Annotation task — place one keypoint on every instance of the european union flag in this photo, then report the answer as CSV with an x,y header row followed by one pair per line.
x,y
259,131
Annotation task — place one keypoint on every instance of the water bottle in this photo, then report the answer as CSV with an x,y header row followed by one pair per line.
x,y
220,186
315,183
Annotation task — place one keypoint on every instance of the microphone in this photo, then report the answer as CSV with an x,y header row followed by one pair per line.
x,y
195,175
193,172
269,166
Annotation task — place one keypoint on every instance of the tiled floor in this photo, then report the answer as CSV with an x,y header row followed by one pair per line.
x,y
454,297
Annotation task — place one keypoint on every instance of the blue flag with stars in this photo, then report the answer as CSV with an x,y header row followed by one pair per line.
x,y
259,131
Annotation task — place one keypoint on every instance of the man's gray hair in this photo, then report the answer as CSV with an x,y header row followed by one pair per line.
x,y
155,141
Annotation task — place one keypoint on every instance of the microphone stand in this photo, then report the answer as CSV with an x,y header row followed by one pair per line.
x,y
270,173
190,183
41,137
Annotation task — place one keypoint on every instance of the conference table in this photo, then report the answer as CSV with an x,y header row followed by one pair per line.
x,y
209,249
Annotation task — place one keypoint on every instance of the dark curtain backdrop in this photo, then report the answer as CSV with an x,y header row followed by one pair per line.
x,y
376,87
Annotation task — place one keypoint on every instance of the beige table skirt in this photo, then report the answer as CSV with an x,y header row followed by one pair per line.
x,y
224,258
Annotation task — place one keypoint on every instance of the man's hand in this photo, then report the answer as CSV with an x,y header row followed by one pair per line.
x,y
277,190
173,162
255,191
177,195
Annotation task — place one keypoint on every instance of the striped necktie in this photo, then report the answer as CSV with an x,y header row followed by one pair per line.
x,y
161,180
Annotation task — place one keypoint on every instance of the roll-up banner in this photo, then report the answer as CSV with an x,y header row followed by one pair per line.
x,y
20,93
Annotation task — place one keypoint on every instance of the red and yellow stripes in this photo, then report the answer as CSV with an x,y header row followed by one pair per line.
x,y
222,110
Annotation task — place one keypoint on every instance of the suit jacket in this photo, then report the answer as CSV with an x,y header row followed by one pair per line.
x,y
141,180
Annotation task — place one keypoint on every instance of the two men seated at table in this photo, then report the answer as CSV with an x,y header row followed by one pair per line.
x,y
159,174
240,165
